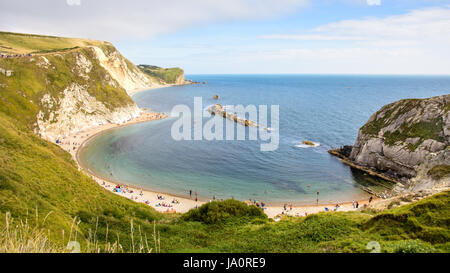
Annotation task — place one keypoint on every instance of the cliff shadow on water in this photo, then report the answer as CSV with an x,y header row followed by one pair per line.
x,y
372,184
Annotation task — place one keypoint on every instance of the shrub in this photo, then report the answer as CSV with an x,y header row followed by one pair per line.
x,y
413,246
219,212
440,171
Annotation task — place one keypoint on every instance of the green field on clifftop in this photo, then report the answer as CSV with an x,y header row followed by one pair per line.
x,y
163,75
18,43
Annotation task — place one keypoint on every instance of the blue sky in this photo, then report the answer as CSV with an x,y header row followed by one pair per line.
x,y
255,36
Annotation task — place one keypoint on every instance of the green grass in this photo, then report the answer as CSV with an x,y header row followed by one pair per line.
x,y
37,174
17,43
430,129
423,130
162,75
427,220
439,172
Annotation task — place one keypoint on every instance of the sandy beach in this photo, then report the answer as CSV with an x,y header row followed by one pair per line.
x,y
168,203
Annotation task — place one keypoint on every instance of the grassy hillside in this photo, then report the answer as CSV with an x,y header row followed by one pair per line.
x,y
32,79
17,43
162,75
38,174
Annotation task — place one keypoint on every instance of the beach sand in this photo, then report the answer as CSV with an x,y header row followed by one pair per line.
x,y
74,142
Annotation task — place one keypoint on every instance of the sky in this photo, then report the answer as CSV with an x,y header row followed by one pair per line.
x,y
254,36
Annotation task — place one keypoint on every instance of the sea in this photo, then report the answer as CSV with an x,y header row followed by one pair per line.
x,y
325,109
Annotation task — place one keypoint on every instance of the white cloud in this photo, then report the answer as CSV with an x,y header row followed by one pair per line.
x,y
112,19
415,42
374,2
426,26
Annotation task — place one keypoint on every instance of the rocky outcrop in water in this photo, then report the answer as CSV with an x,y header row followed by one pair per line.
x,y
406,141
220,111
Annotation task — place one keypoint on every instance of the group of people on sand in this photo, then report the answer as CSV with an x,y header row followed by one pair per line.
x,y
196,195
122,189
164,204
336,207
72,144
259,204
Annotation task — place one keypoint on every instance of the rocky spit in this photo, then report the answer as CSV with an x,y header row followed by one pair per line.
x,y
220,111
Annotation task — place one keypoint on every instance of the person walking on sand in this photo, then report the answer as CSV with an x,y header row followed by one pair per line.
x,y
190,193
370,199
353,203
357,204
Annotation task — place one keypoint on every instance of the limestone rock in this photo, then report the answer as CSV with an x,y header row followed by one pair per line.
x,y
405,139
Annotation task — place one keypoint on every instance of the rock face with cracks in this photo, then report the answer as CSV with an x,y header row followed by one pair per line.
x,y
407,140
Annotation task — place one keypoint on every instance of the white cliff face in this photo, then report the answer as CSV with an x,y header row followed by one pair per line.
x,y
77,111
128,76
74,109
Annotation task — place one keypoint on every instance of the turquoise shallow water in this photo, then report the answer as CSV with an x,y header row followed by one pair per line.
x,y
325,109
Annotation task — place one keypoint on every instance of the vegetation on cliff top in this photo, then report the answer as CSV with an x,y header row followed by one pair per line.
x,y
163,75
33,78
440,171
430,129
18,43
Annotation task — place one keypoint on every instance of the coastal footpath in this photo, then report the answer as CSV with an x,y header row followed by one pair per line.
x,y
406,142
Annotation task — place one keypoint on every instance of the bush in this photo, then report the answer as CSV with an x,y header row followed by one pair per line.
x,y
440,171
413,246
219,212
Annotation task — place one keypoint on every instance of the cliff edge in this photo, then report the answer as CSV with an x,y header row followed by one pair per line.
x,y
59,86
407,141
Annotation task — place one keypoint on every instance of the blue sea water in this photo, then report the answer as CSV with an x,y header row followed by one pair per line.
x,y
326,109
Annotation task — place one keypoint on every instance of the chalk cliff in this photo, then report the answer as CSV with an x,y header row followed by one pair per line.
x,y
66,91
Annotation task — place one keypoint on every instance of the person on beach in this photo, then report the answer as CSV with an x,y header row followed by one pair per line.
x,y
285,207
353,203
357,204
370,199
190,193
